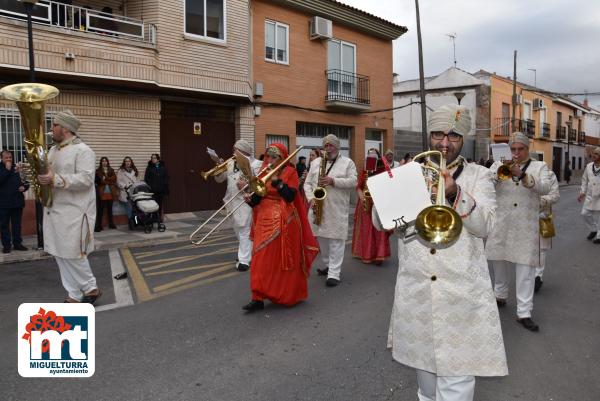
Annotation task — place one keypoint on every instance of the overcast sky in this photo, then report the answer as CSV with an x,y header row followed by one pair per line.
x,y
558,38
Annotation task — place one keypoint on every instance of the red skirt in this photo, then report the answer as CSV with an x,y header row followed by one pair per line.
x,y
369,244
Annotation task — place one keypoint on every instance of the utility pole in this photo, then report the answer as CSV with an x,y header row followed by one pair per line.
x,y
422,82
514,97
452,37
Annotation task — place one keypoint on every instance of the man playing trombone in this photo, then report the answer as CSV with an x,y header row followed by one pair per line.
x,y
242,217
515,239
444,321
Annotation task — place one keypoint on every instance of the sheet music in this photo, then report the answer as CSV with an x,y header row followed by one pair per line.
x,y
213,155
399,199
501,151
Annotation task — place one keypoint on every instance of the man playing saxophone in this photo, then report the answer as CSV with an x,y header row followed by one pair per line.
x,y
444,321
242,217
339,179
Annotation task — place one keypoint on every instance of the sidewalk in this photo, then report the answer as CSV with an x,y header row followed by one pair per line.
x,y
179,227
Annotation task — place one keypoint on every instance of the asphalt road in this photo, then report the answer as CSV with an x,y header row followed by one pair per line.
x,y
193,342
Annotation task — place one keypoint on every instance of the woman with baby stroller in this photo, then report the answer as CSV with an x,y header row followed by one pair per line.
x,y
157,179
126,177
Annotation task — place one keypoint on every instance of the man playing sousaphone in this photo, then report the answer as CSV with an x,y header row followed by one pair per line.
x,y
444,321
242,217
515,238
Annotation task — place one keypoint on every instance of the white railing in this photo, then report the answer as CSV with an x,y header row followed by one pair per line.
x,y
82,19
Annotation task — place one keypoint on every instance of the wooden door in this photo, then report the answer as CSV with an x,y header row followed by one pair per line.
x,y
556,161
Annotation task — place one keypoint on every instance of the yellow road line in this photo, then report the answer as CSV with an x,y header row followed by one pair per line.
x,y
186,259
141,288
185,269
190,279
196,284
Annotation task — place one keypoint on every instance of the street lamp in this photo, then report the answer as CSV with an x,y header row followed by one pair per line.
x,y
39,210
459,96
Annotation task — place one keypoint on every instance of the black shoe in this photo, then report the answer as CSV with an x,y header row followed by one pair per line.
x,y
323,272
6,250
332,282
20,247
254,306
92,296
596,241
242,267
501,302
529,324
592,235
97,229
538,284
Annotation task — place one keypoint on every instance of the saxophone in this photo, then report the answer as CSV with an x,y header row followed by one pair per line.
x,y
320,193
367,195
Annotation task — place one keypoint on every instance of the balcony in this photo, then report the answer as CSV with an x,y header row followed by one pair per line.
x,y
347,91
572,135
581,138
546,130
82,19
561,133
527,127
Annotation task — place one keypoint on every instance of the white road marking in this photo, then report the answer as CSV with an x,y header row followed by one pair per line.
x,y
121,287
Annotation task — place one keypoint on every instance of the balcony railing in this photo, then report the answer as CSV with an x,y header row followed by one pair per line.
x,y
82,19
527,127
502,126
581,137
561,133
346,87
572,135
545,130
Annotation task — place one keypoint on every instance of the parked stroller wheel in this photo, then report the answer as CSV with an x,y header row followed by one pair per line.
x,y
161,227
148,228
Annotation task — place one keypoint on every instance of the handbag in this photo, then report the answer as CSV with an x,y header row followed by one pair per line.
x,y
547,229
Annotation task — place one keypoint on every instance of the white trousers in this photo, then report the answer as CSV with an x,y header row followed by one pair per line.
x,y
539,271
76,276
245,248
332,254
445,388
592,220
525,283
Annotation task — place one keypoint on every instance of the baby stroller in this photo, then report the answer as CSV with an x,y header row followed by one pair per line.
x,y
144,209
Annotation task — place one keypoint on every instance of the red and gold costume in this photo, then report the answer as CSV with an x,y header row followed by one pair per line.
x,y
284,246
368,244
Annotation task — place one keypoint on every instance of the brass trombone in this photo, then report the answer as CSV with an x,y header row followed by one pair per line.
x,y
438,224
257,184
217,170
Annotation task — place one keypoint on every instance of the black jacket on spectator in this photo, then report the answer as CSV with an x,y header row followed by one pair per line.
x,y
10,181
157,178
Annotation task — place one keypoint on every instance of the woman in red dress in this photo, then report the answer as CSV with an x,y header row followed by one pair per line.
x,y
283,243
369,244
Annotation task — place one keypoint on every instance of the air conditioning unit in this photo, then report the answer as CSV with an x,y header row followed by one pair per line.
x,y
538,104
320,28
518,99
578,113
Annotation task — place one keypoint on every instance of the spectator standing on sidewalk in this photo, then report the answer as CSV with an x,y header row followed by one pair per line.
x,y
107,192
126,177
12,203
568,172
69,220
157,178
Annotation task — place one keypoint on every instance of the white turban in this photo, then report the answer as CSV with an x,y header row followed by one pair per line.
x,y
244,146
333,140
67,119
596,150
519,137
451,117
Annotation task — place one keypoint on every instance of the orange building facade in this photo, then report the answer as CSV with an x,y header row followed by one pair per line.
x,y
307,88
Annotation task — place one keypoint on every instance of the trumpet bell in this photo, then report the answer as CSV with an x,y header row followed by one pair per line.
x,y
504,172
439,225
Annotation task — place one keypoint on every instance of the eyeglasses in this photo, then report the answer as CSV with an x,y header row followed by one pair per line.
x,y
452,136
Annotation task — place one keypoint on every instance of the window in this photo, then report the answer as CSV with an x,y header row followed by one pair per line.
x,y
580,163
205,18
278,139
341,57
11,133
276,42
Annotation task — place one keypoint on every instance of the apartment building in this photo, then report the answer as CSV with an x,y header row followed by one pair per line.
x,y
322,67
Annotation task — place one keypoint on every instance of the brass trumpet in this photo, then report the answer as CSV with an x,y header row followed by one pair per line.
x,y
216,170
438,224
257,184
504,171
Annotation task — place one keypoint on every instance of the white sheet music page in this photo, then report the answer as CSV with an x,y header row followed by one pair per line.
x,y
401,197
501,151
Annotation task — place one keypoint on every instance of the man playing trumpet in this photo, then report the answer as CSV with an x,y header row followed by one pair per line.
x,y
515,238
444,320
242,217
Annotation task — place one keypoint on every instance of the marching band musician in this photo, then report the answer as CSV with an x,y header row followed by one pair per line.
x,y
242,218
515,238
590,194
69,221
284,246
546,203
339,179
444,321
368,243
